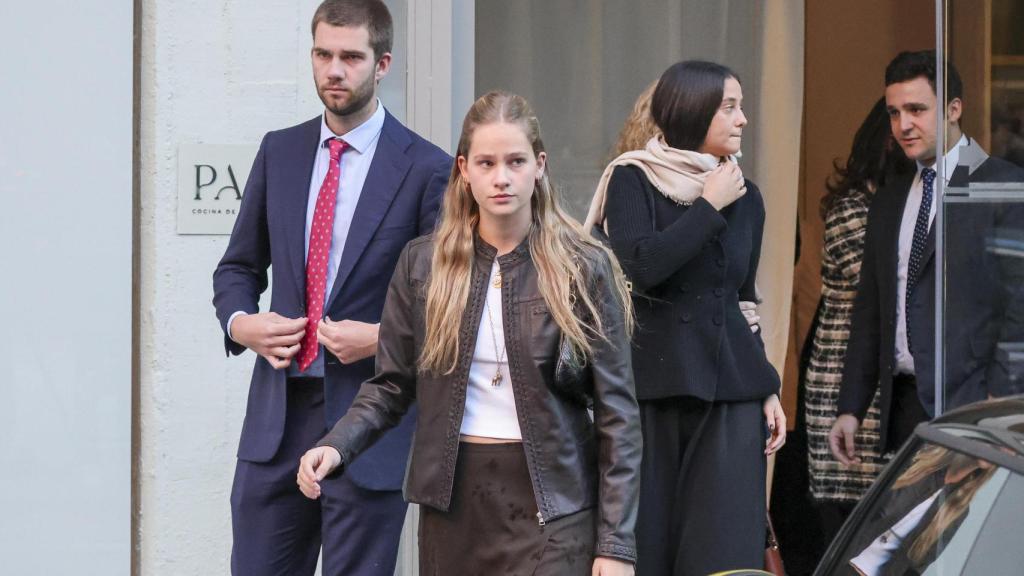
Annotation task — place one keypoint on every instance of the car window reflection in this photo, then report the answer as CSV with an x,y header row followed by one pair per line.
x,y
920,514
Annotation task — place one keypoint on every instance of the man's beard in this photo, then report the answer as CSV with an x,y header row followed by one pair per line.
x,y
360,96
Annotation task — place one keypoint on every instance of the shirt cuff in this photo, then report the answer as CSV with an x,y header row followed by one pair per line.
x,y
232,319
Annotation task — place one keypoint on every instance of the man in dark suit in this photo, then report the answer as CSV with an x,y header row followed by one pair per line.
x,y
892,337
329,204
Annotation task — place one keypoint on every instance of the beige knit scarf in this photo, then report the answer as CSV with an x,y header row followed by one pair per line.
x,y
678,174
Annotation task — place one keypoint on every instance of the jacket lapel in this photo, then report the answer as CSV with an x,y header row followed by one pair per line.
x,y
387,171
900,190
299,155
971,157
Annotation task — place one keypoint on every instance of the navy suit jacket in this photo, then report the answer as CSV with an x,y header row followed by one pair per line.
x,y
983,301
399,201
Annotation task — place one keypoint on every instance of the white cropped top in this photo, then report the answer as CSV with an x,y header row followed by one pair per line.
x,y
490,405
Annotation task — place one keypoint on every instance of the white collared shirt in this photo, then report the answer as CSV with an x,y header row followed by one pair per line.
x,y
904,361
873,559
355,164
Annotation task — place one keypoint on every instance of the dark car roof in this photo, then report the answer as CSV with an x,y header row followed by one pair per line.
x,y
993,429
999,414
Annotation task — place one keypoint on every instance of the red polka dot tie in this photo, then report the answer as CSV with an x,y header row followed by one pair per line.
x,y
320,234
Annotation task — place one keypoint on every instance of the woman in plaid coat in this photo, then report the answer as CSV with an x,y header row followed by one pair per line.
x,y
837,488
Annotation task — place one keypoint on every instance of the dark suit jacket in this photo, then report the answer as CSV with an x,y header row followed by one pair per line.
x,y
690,265
979,311
399,201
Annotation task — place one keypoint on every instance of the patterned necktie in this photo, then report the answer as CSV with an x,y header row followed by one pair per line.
x,y
320,233
920,237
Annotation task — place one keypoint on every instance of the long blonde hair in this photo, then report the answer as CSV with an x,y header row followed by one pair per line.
x,y
557,247
929,461
639,126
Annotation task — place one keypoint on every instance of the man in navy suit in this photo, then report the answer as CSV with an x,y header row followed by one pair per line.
x,y
329,204
892,335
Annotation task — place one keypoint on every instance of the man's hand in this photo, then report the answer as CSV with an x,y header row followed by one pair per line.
x,y
840,439
314,466
349,340
776,419
749,310
604,566
270,335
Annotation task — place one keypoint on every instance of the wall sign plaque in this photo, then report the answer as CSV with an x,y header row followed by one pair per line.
x,y
211,181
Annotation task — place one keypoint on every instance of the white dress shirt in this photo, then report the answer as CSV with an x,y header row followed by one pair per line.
x,y
873,559
355,165
904,361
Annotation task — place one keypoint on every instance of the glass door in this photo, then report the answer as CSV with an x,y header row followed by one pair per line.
x,y
979,244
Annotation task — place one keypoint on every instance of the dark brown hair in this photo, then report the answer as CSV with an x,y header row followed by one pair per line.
x,y
909,65
372,14
686,99
872,156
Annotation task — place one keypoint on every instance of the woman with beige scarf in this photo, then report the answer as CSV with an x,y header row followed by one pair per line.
x,y
687,227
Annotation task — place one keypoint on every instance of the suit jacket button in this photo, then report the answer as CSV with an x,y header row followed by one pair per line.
x,y
685,317
720,262
719,292
717,320
684,287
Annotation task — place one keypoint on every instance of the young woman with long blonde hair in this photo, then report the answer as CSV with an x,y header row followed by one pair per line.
x,y
481,322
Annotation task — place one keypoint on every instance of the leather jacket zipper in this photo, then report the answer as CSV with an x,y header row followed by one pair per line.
x,y
540,519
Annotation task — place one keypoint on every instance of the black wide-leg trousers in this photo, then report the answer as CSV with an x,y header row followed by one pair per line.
x,y
702,491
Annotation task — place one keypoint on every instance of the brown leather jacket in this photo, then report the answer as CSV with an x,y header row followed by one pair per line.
x,y
575,463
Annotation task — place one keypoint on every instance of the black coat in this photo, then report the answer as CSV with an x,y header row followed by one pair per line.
x,y
690,266
980,310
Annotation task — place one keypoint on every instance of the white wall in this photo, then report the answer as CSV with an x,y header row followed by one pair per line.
x,y
65,296
213,73
221,72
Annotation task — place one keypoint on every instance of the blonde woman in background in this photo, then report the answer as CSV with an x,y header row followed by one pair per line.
x,y
639,126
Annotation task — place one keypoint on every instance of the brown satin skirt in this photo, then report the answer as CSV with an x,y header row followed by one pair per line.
x,y
492,527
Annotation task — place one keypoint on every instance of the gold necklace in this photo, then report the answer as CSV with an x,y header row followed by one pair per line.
x,y
498,377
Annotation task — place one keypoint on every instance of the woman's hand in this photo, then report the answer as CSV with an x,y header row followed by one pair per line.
x,y
724,185
314,466
776,424
749,310
612,567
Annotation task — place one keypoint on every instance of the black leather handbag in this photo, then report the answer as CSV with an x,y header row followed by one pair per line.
x,y
573,378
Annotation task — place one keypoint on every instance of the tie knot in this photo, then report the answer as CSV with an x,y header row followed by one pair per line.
x,y
337,147
928,176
